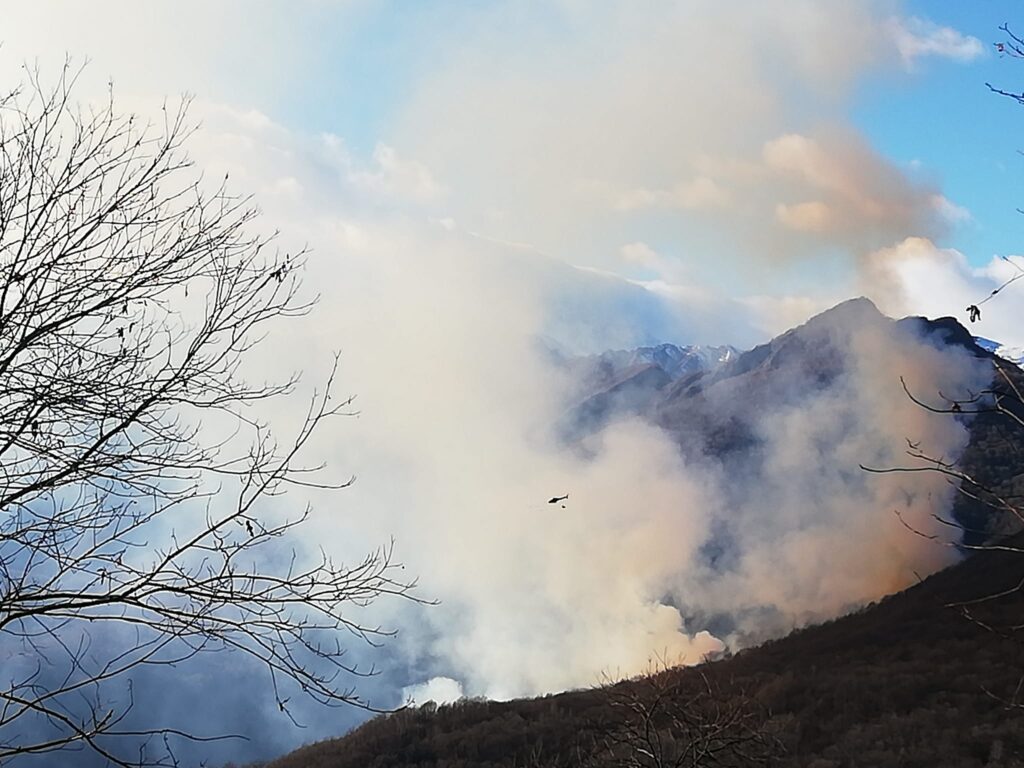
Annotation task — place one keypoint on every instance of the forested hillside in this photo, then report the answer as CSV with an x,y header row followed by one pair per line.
x,y
906,682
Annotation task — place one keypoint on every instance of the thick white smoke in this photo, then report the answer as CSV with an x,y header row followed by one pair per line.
x,y
587,146
457,456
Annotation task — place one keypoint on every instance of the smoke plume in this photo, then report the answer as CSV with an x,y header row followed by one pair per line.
x,y
578,192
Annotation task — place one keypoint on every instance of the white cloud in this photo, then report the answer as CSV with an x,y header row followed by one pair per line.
x,y
773,315
812,216
592,120
916,38
397,177
302,170
917,277
697,194
440,690
163,49
640,253
858,198
953,213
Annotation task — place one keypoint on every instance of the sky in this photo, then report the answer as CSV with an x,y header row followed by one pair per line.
x,y
475,178
896,77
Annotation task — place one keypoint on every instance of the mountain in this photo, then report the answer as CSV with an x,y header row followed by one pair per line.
x,y
674,360
905,682
714,406
629,380
717,411
908,681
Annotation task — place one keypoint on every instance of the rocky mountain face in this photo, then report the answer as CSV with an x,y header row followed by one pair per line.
x,y
674,360
628,381
716,411
711,399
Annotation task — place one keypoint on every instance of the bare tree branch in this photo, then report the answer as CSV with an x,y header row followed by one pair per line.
x,y
131,291
681,718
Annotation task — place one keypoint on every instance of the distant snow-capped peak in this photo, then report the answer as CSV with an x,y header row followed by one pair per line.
x,y
673,359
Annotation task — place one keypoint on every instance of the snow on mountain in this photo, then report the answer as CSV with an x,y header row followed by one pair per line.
x,y
1013,354
631,380
677,361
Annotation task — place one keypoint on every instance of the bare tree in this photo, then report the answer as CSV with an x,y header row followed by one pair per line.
x,y
138,493
682,718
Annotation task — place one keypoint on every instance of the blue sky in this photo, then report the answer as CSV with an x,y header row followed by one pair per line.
x,y
362,70
939,119
945,117
362,66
